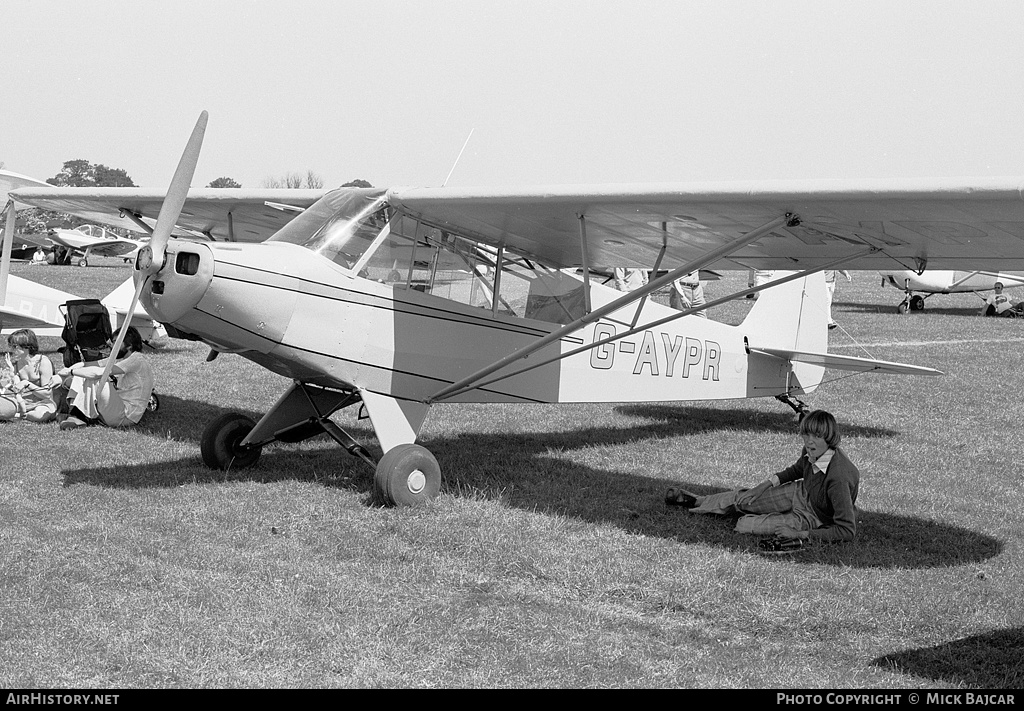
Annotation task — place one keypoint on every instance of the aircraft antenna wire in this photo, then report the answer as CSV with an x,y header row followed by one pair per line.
x,y
459,157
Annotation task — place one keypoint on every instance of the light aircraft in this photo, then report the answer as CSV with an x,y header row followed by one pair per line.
x,y
918,286
396,299
85,240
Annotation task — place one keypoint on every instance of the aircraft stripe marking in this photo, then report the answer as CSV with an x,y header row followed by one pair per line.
x,y
404,308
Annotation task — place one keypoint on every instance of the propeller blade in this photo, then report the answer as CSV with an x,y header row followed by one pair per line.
x,y
151,256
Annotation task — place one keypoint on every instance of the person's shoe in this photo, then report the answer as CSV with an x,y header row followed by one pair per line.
x,y
678,497
72,423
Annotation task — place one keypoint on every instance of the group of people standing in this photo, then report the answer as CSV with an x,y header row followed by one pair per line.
x,y
688,292
74,396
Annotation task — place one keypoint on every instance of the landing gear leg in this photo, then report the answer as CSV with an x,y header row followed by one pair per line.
x,y
798,406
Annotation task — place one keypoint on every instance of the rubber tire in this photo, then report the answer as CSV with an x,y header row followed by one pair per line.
x,y
903,308
407,475
83,262
917,303
219,444
154,403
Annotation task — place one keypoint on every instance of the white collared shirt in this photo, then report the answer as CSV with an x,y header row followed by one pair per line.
x,y
821,464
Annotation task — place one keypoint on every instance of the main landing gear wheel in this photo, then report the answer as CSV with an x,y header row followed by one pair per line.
x,y
83,262
407,475
917,302
220,443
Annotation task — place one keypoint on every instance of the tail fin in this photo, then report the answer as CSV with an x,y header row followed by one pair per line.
x,y
793,317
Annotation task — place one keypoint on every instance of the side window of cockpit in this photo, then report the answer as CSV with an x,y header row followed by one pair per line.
x,y
187,263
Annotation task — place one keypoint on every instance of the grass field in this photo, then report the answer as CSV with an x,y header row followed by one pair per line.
x,y
550,559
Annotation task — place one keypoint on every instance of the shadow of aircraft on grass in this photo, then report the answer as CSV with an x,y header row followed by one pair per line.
x,y
525,471
993,660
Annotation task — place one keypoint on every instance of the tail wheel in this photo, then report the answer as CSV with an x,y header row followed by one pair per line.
x,y
221,443
407,475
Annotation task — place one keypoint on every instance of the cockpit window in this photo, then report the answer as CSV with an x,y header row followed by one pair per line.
x,y
340,226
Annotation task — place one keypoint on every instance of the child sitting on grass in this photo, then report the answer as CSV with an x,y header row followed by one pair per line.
x,y
814,499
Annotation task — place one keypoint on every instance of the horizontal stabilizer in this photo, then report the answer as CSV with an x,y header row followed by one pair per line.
x,y
838,362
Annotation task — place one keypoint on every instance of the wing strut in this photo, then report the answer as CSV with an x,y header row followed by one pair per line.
x,y
8,245
586,262
137,219
659,322
469,382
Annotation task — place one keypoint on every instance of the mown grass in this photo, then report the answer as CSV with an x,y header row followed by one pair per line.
x,y
549,560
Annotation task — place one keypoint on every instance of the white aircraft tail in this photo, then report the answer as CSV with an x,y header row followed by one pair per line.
x,y
788,326
789,319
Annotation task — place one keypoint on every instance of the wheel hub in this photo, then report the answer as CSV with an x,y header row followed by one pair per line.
x,y
416,481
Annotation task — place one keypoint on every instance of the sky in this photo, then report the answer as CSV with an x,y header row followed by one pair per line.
x,y
547,92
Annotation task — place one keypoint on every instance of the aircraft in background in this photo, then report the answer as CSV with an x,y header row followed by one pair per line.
x,y
918,286
27,304
85,240
394,300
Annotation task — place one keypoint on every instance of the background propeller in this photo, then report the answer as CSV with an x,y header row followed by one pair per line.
x,y
150,259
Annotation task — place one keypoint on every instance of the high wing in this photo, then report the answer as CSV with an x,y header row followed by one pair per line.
x,y
968,223
222,214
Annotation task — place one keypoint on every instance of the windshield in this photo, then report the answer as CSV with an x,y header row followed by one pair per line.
x,y
340,226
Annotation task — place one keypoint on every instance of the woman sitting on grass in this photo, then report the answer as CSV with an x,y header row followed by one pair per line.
x,y
120,402
814,499
30,380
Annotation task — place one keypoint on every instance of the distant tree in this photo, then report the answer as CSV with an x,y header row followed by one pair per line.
x,y
224,183
313,181
111,177
78,173
81,173
295,180
357,184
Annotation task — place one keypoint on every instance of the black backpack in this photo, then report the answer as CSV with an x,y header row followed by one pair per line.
x,y
87,331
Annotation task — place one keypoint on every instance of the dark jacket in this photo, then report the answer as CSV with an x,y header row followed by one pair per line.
x,y
832,495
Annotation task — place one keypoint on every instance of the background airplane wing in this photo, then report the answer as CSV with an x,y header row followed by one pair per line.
x,y
103,247
13,181
223,214
12,319
943,223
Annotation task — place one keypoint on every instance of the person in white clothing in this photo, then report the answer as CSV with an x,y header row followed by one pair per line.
x,y
120,402
629,279
830,287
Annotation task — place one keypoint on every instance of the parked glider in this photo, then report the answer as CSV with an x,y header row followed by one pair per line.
x,y
397,299
918,286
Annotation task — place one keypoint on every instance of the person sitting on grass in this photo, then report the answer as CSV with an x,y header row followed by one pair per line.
x,y
122,401
29,381
814,499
